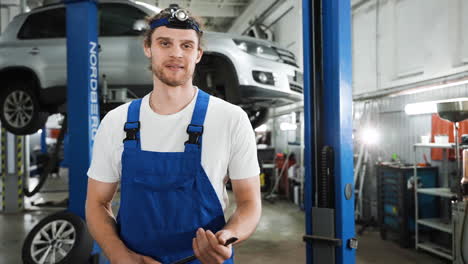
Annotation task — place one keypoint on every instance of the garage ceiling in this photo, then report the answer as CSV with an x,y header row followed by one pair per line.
x,y
217,15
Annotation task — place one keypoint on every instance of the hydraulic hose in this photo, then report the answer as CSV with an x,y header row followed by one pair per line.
x,y
51,163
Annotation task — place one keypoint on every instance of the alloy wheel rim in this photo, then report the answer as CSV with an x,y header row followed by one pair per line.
x,y
53,242
18,109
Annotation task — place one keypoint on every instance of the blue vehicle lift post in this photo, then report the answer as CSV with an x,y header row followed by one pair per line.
x,y
328,130
82,98
82,95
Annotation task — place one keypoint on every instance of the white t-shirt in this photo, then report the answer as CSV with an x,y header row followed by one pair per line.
x,y
228,146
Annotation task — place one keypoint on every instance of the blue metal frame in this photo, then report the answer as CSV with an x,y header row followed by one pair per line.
x,y
308,117
337,113
43,140
82,94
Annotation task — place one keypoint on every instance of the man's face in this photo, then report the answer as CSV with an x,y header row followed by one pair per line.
x,y
173,55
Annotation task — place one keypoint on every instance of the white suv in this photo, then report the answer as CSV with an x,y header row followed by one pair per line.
x,y
252,73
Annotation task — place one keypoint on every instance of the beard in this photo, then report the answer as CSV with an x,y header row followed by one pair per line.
x,y
162,74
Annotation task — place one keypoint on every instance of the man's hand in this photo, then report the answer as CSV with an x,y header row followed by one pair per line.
x,y
134,258
209,248
224,235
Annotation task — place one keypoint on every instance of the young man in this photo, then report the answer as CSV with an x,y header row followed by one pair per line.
x,y
172,151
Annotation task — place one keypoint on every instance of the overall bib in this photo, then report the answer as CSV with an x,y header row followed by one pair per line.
x,y
166,196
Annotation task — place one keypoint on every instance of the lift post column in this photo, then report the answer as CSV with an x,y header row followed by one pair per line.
x,y
14,168
82,95
328,121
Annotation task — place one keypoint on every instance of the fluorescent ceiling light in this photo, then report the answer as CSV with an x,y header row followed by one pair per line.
x,y
288,126
421,108
428,107
149,6
262,128
431,87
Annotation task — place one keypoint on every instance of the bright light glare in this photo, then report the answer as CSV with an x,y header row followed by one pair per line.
x,y
262,128
370,136
243,46
288,126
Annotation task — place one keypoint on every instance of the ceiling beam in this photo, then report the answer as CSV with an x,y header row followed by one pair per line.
x,y
205,8
9,2
210,10
254,11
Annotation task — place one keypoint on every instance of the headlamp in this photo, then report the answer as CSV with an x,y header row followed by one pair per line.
x,y
181,15
179,18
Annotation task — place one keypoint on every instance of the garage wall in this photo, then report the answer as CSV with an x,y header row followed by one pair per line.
x,y
398,132
364,49
402,42
288,30
8,10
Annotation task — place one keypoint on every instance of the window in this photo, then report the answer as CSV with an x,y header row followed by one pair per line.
x,y
47,24
364,50
118,20
409,39
464,31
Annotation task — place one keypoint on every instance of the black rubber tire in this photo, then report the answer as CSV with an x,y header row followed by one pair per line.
x,y
80,252
38,117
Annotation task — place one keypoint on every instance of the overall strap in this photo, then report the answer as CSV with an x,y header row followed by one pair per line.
x,y
132,126
195,128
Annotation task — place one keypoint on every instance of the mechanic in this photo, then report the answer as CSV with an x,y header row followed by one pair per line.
x,y
172,152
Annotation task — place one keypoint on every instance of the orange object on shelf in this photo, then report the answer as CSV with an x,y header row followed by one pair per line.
x,y
54,132
444,127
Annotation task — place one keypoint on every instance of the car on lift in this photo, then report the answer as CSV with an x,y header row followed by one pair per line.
x,y
252,73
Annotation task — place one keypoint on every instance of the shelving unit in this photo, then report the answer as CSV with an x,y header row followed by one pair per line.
x,y
434,223
396,201
442,192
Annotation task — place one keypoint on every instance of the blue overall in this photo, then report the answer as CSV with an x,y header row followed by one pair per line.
x,y
166,196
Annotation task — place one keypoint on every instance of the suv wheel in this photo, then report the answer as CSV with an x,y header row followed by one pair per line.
x,y
61,238
19,109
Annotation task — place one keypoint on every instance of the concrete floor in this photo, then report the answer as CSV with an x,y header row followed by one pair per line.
x,y
278,238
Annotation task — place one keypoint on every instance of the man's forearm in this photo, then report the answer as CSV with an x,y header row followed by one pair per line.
x,y
102,226
245,218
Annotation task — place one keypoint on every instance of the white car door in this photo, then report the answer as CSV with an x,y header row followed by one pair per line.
x,y
122,59
42,40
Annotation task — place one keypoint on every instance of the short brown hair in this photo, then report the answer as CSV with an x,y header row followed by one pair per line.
x,y
148,33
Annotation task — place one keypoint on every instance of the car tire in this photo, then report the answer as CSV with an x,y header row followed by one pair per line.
x,y
59,238
20,111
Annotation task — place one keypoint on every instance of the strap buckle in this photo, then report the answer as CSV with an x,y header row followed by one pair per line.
x,y
195,132
131,128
